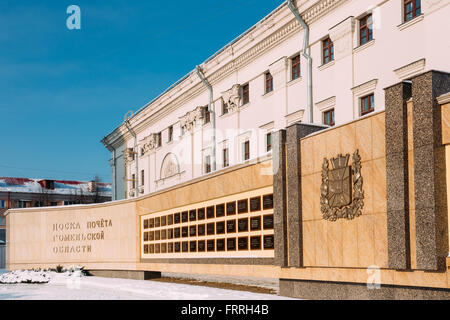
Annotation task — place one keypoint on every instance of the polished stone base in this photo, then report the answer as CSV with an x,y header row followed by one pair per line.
x,y
126,274
326,290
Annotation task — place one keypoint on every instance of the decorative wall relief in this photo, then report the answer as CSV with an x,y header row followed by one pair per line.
x,y
232,98
170,166
189,120
148,144
341,191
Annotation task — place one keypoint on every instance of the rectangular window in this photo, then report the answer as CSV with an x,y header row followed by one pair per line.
x,y
207,164
224,107
327,51
170,134
328,117
133,181
367,104
207,116
295,67
53,204
142,177
159,140
269,82
268,141
246,150
245,94
365,29
2,203
225,157
22,204
411,9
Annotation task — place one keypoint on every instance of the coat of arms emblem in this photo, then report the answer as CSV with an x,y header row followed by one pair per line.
x,y
341,191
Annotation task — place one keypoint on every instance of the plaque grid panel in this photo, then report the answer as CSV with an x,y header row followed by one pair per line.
x,y
244,224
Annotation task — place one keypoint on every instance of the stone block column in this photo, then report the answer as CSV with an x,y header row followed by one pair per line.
x,y
430,204
279,197
397,175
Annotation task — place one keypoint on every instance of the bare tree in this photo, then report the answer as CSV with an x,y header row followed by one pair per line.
x,y
44,196
96,197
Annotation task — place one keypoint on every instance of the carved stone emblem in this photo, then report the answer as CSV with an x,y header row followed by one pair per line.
x,y
170,166
170,169
232,98
188,121
148,144
341,191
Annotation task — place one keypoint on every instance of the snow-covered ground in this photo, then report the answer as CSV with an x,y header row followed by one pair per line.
x,y
64,287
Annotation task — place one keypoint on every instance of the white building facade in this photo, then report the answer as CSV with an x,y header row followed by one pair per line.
x,y
259,85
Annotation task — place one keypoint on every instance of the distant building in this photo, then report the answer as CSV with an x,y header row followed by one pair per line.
x,y
28,193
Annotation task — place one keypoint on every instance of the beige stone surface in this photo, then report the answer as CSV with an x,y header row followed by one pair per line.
x,y
361,275
379,185
346,243
445,109
412,211
215,269
107,235
309,251
306,149
240,180
333,251
349,243
447,165
86,235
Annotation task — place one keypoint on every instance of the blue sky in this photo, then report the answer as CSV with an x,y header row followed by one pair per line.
x,y
62,91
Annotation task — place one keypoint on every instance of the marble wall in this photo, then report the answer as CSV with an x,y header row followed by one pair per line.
x,y
107,236
360,242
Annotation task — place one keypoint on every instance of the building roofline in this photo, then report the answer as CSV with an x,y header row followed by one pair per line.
x,y
235,40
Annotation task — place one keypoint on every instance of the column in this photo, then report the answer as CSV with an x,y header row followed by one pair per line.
x,y
279,197
397,190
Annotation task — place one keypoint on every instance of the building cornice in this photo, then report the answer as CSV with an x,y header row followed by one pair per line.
x,y
410,69
255,42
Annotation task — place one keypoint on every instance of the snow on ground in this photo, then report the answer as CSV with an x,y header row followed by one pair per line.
x,y
62,286
25,277
39,276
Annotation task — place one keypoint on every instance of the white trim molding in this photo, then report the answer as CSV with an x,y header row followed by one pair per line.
x,y
294,117
364,46
268,126
326,104
410,69
326,65
411,22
